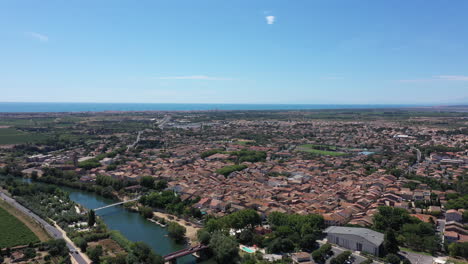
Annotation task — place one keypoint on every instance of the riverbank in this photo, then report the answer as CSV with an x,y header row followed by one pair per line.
x,y
191,233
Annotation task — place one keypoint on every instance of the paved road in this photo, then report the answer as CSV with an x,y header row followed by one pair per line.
x,y
416,258
54,232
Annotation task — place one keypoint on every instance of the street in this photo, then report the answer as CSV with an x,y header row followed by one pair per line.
x,y
54,232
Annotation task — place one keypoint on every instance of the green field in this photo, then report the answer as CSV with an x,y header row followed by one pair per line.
x,y
13,231
314,149
14,136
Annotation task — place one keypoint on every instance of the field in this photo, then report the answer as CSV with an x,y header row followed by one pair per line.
x,y
13,231
314,149
14,136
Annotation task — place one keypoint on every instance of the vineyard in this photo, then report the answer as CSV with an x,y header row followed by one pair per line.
x,y
13,232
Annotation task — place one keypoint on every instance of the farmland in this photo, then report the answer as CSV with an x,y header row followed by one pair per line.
x,y
14,232
320,150
14,136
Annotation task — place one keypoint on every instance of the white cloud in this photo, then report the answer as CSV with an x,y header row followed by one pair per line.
x,y
270,19
439,78
37,36
194,77
452,77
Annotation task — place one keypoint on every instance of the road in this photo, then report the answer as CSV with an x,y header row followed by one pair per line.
x,y
416,258
54,232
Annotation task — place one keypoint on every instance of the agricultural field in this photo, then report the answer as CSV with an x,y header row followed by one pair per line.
x,y
13,232
14,136
320,150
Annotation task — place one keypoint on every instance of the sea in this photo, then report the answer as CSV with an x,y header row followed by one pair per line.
x,y
16,107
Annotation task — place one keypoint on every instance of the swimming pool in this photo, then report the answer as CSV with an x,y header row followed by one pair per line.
x,y
248,250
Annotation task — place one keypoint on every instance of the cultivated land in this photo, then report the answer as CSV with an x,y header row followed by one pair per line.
x,y
30,223
13,231
15,136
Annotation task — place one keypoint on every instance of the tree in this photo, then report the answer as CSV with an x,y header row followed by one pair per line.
x,y
146,211
246,236
30,253
458,249
95,253
225,249
319,254
308,242
81,243
147,181
161,185
142,253
203,236
341,258
176,231
57,247
390,243
91,218
392,259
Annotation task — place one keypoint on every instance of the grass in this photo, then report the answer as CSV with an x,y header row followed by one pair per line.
x,y
14,136
14,232
311,148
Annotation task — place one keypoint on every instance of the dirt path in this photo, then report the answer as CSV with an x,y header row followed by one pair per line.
x,y
191,230
29,222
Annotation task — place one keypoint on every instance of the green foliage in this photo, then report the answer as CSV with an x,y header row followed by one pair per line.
x,y
146,211
176,231
170,202
89,164
390,243
225,249
247,218
231,168
210,152
320,254
57,247
81,243
13,231
458,250
392,259
203,236
410,231
341,258
460,202
160,185
281,245
91,218
95,253
147,181
142,253
249,155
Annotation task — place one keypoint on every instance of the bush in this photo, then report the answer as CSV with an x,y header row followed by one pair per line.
x,y
392,259
341,258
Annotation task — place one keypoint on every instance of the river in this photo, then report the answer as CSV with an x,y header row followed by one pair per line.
x,y
131,224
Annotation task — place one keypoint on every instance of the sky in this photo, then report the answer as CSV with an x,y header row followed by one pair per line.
x,y
234,51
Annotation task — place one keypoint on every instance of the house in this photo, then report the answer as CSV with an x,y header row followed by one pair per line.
x,y
301,257
355,238
453,215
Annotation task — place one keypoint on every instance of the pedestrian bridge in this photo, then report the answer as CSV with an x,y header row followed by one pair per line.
x,y
115,204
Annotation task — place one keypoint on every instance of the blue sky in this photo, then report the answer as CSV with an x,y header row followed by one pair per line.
x,y
234,51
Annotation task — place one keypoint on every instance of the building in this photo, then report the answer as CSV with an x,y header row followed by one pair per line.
x,y
357,239
301,257
453,215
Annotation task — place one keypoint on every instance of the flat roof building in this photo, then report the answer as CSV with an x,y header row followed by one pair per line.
x,y
355,238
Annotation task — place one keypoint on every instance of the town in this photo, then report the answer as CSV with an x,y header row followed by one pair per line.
x,y
345,174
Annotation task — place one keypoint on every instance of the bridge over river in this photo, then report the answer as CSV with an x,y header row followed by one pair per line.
x,y
115,204
172,258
